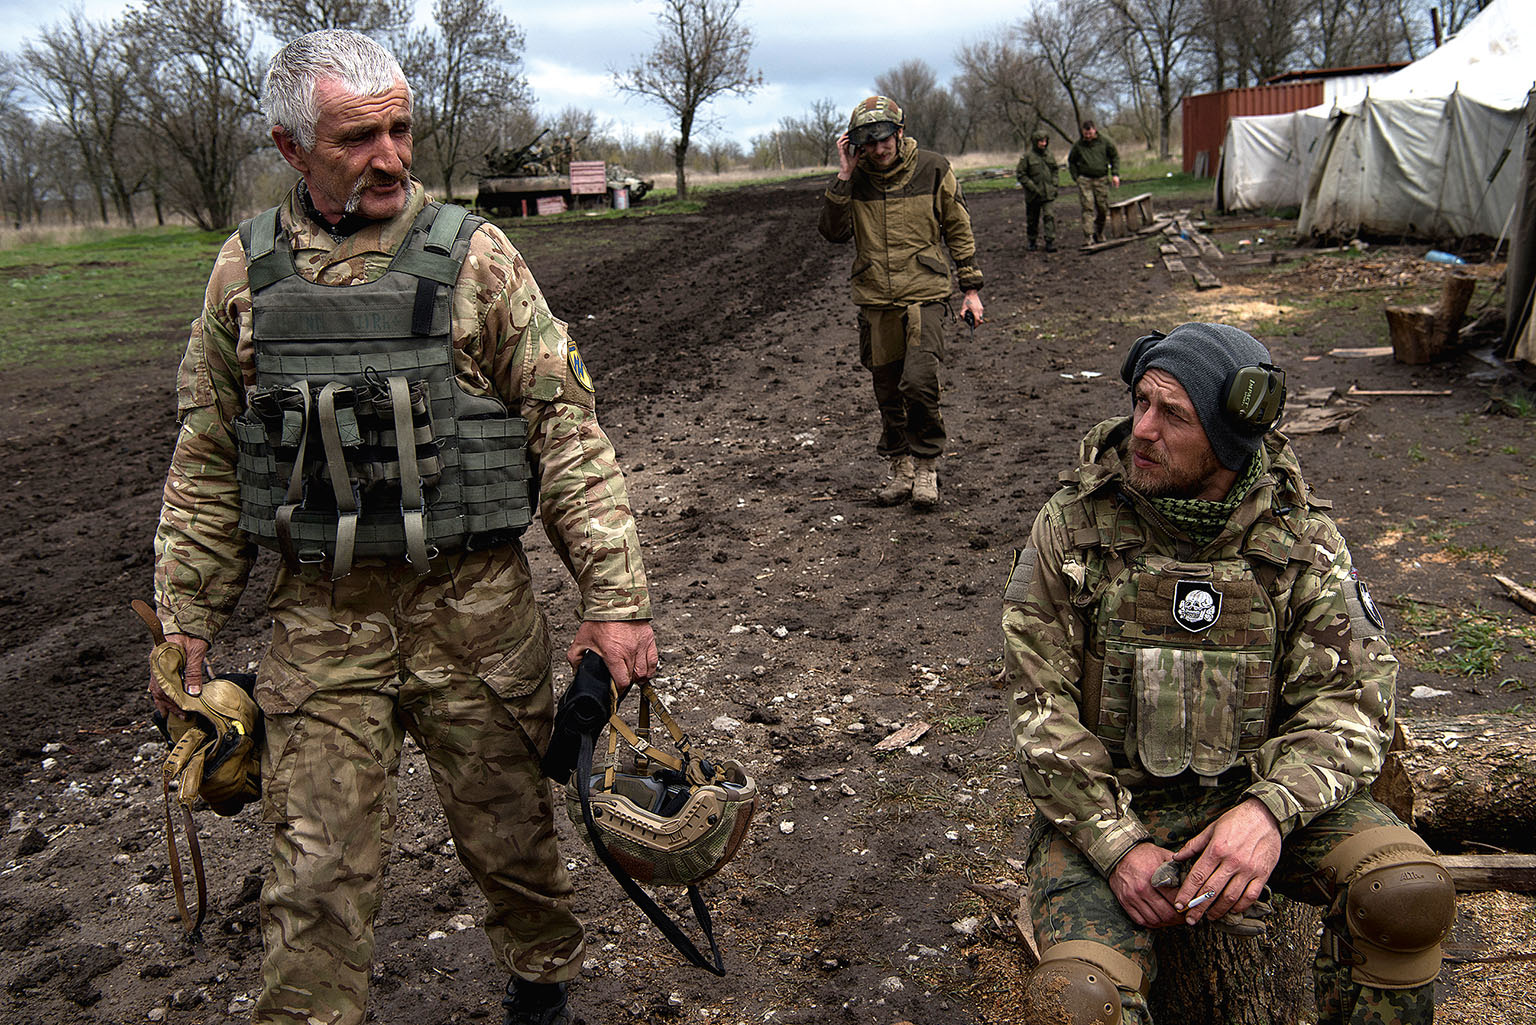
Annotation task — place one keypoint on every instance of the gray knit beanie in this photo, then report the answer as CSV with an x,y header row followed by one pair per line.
x,y
1202,358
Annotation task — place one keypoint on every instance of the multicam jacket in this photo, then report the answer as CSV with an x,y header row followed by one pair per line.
x,y
1037,172
1330,677
506,343
898,220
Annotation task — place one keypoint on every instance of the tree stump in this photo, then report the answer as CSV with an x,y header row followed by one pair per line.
x,y
1206,977
1420,333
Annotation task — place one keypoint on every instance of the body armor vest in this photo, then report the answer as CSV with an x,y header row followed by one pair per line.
x,y
1181,656
357,439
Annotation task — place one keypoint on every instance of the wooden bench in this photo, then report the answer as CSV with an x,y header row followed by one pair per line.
x,y
1128,215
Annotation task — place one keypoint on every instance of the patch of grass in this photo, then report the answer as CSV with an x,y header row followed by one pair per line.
x,y
103,302
1484,553
1416,453
963,725
1457,642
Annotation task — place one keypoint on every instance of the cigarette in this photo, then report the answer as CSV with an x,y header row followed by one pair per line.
x,y
1207,895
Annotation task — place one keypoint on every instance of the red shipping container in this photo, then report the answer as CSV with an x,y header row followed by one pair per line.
x,y
1206,116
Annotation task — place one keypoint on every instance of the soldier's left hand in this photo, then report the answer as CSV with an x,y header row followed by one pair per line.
x,y
1236,854
627,646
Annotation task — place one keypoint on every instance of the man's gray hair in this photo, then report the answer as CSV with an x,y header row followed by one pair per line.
x,y
357,62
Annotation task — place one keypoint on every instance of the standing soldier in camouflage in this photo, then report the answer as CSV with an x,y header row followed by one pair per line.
x,y
1037,174
901,206
1201,685
377,390
1093,161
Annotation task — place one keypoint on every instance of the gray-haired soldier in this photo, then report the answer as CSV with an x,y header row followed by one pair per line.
x,y
377,390
1201,684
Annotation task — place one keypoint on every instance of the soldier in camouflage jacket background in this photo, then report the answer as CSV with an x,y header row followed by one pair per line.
x,y
1200,679
901,207
445,643
1038,173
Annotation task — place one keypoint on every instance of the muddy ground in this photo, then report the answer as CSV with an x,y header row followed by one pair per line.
x,y
800,623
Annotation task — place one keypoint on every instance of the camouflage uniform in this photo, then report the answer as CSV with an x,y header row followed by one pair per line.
x,y
900,220
459,657
1321,732
1091,164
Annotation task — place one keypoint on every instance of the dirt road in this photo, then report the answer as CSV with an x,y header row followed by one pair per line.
x,y
800,623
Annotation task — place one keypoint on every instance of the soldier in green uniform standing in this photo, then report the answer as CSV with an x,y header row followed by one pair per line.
x,y
1094,164
1037,174
902,207
1200,678
376,389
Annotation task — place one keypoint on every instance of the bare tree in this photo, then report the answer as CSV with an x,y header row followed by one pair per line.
x,y
1069,39
703,52
81,72
722,153
466,73
1155,35
19,170
812,137
289,19
1343,33
197,81
925,104
1013,89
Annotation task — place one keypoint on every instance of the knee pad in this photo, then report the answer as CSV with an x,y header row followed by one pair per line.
x,y
1399,906
1078,983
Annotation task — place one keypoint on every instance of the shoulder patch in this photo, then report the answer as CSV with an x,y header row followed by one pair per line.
x,y
579,368
1363,611
1022,574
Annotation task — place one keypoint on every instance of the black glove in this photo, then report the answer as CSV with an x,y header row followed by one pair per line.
x,y
584,710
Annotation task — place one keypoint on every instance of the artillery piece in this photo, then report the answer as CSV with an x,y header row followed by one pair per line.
x,y
524,180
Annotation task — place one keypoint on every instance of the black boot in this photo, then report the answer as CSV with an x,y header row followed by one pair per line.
x,y
536,1003
1032,246
1050,247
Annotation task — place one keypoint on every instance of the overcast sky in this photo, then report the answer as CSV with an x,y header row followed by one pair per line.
x,y
806,49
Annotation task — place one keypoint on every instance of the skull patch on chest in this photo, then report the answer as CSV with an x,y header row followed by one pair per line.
x,y
1196,605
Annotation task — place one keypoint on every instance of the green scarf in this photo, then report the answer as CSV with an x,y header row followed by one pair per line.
x,y
1202,520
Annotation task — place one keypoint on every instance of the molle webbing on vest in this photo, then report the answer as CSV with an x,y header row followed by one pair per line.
x,y
357,439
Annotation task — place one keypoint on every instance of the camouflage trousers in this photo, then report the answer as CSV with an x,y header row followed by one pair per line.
x,y
459,659
1093,195
905,365
1070,900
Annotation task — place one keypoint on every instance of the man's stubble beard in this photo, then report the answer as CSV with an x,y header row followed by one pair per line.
x,y
1163,481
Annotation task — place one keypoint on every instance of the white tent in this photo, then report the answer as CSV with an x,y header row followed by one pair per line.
x,y
1416,153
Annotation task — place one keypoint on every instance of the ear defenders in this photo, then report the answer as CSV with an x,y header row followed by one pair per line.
x,y
1253,397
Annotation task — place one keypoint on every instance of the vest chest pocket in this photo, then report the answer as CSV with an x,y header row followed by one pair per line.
x,y
1187,669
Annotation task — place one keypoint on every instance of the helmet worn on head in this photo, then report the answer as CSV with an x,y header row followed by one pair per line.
x,y
875,118
1040,136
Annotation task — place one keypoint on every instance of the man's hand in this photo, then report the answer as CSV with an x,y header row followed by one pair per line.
x,y
1237,853
1131,882
196,651
972,305
847,157
1114,180
628,646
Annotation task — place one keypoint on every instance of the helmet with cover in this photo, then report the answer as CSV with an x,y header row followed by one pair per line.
x,y
875,118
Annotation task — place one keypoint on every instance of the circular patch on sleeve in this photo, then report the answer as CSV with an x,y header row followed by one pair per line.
x,y
579,368
1368,606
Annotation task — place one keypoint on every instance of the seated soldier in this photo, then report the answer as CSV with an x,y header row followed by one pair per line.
x,y
1203,687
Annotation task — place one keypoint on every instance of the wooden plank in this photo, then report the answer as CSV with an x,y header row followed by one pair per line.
x,y
1168,250
1186,248
1367,351
1174,265
1204,279
1420,392
1207,247
1108,243
1514,873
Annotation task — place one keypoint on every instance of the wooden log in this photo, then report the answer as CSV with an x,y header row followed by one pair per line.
x,y
1474,779
1475,873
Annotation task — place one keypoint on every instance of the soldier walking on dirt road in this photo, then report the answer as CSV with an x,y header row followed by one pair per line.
x,y
376,389
1203,692
901,206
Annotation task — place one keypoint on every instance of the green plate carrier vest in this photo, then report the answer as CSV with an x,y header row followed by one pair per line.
x,y
357,439
1181,655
